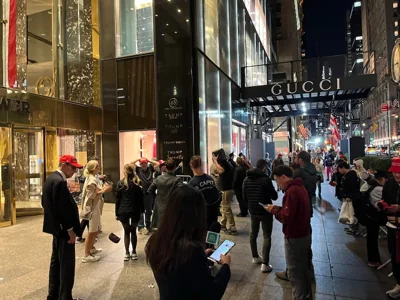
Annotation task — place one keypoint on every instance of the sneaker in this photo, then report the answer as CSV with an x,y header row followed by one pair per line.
x,y
374,264
90,258
231,232
127,257
282,275
95,251
241,215
80,240
134,256
257,260
394,293
266,268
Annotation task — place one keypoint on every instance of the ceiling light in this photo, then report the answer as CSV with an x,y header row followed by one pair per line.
x,y
187,20
176,31
179,10
156,15
167,24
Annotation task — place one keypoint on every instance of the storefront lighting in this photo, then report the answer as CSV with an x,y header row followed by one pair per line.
x,y
396,116
347,125
363,124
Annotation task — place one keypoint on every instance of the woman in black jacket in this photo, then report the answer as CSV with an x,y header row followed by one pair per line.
x,y
128,208
175,252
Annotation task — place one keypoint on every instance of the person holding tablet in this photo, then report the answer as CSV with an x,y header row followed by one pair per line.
x,y
176,252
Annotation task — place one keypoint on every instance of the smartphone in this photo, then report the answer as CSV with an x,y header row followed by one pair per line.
x,y
263,205
223,249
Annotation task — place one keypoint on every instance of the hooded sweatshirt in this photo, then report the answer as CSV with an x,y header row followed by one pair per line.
x,y
308,173
295,211
361,171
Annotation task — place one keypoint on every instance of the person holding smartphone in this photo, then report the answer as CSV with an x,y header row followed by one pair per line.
x,y
176,252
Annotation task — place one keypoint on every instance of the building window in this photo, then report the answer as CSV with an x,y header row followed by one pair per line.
x,y
395,4
357,4
134,27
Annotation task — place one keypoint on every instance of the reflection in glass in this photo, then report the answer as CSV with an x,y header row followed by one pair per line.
x,y
29,168
224,37
134,30
226,113
202,108
213,108
211,30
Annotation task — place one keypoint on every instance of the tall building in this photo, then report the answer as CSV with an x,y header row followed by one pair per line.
x,y
380,19
354,39
123,79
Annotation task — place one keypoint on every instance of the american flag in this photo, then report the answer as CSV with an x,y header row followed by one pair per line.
x,y
304,131
335,131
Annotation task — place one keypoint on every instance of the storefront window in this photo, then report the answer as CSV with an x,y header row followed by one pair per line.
x,y
5,178
134,27
136,144
55,52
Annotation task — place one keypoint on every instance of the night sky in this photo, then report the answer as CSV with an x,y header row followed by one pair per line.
x,y
325,27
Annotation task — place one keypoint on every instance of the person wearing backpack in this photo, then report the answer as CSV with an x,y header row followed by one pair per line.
x,y
371,194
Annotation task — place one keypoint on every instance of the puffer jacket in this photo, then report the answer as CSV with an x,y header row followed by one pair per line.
x,y
391,195
129,201
258,188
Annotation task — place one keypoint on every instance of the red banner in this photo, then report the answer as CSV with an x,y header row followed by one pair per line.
x,y
12,44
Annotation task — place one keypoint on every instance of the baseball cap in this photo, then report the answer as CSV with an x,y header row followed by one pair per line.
x,y
71,160
395,168
279,154
143,160
161,162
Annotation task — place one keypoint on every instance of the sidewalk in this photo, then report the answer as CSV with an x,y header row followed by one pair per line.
x,y
339,260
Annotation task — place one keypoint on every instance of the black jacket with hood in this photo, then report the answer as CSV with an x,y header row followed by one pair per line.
x,y
258,188
308,173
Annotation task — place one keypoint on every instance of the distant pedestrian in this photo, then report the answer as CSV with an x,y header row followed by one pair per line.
x,y
295,217
258,188
328,162
240,175
225,179
129,207
61,219
320,175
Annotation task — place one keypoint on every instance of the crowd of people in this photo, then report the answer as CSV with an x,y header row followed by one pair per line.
x,y
152,200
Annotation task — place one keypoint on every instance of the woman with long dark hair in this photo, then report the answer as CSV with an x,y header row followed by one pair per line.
x,y
128,208
176,252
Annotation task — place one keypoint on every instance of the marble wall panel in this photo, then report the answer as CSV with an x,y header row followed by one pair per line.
x,y
21,44
79,52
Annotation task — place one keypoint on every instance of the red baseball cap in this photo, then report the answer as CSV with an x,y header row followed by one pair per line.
x,y
279,154
161,162
395,168
143,160
71,160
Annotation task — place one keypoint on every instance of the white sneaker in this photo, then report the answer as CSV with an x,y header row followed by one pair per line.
x,y
95,251
257,260
134,256
266,268
394,293
90,258
127,257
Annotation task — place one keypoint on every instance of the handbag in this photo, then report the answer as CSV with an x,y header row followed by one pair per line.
x,y
113,237
347,213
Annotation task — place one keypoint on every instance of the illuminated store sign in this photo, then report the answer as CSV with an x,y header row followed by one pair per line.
x,y
304,87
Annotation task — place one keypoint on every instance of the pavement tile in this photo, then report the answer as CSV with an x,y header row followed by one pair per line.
x,y
339,262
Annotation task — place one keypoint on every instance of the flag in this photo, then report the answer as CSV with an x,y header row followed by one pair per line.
x,y
304,131
335,131
11,45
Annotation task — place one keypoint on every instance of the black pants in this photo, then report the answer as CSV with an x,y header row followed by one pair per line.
x,y
266,224
392,250
372,241
148,211
62,270
84,224
212,214
242,204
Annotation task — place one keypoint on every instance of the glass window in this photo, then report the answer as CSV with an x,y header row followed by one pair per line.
x,y
134,32
211,30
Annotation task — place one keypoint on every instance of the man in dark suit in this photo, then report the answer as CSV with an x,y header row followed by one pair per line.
x,y
61,219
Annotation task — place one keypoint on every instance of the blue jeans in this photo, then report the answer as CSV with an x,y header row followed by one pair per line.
x,y
148,211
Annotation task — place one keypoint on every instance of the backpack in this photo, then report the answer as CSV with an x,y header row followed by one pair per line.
x,y
368,211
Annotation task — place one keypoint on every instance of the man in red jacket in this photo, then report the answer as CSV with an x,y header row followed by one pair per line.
x,y
295,217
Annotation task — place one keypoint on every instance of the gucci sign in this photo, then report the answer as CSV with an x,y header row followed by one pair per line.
x,y
305,87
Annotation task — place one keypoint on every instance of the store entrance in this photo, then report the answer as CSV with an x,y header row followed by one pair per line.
x,y
7,215
28,159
